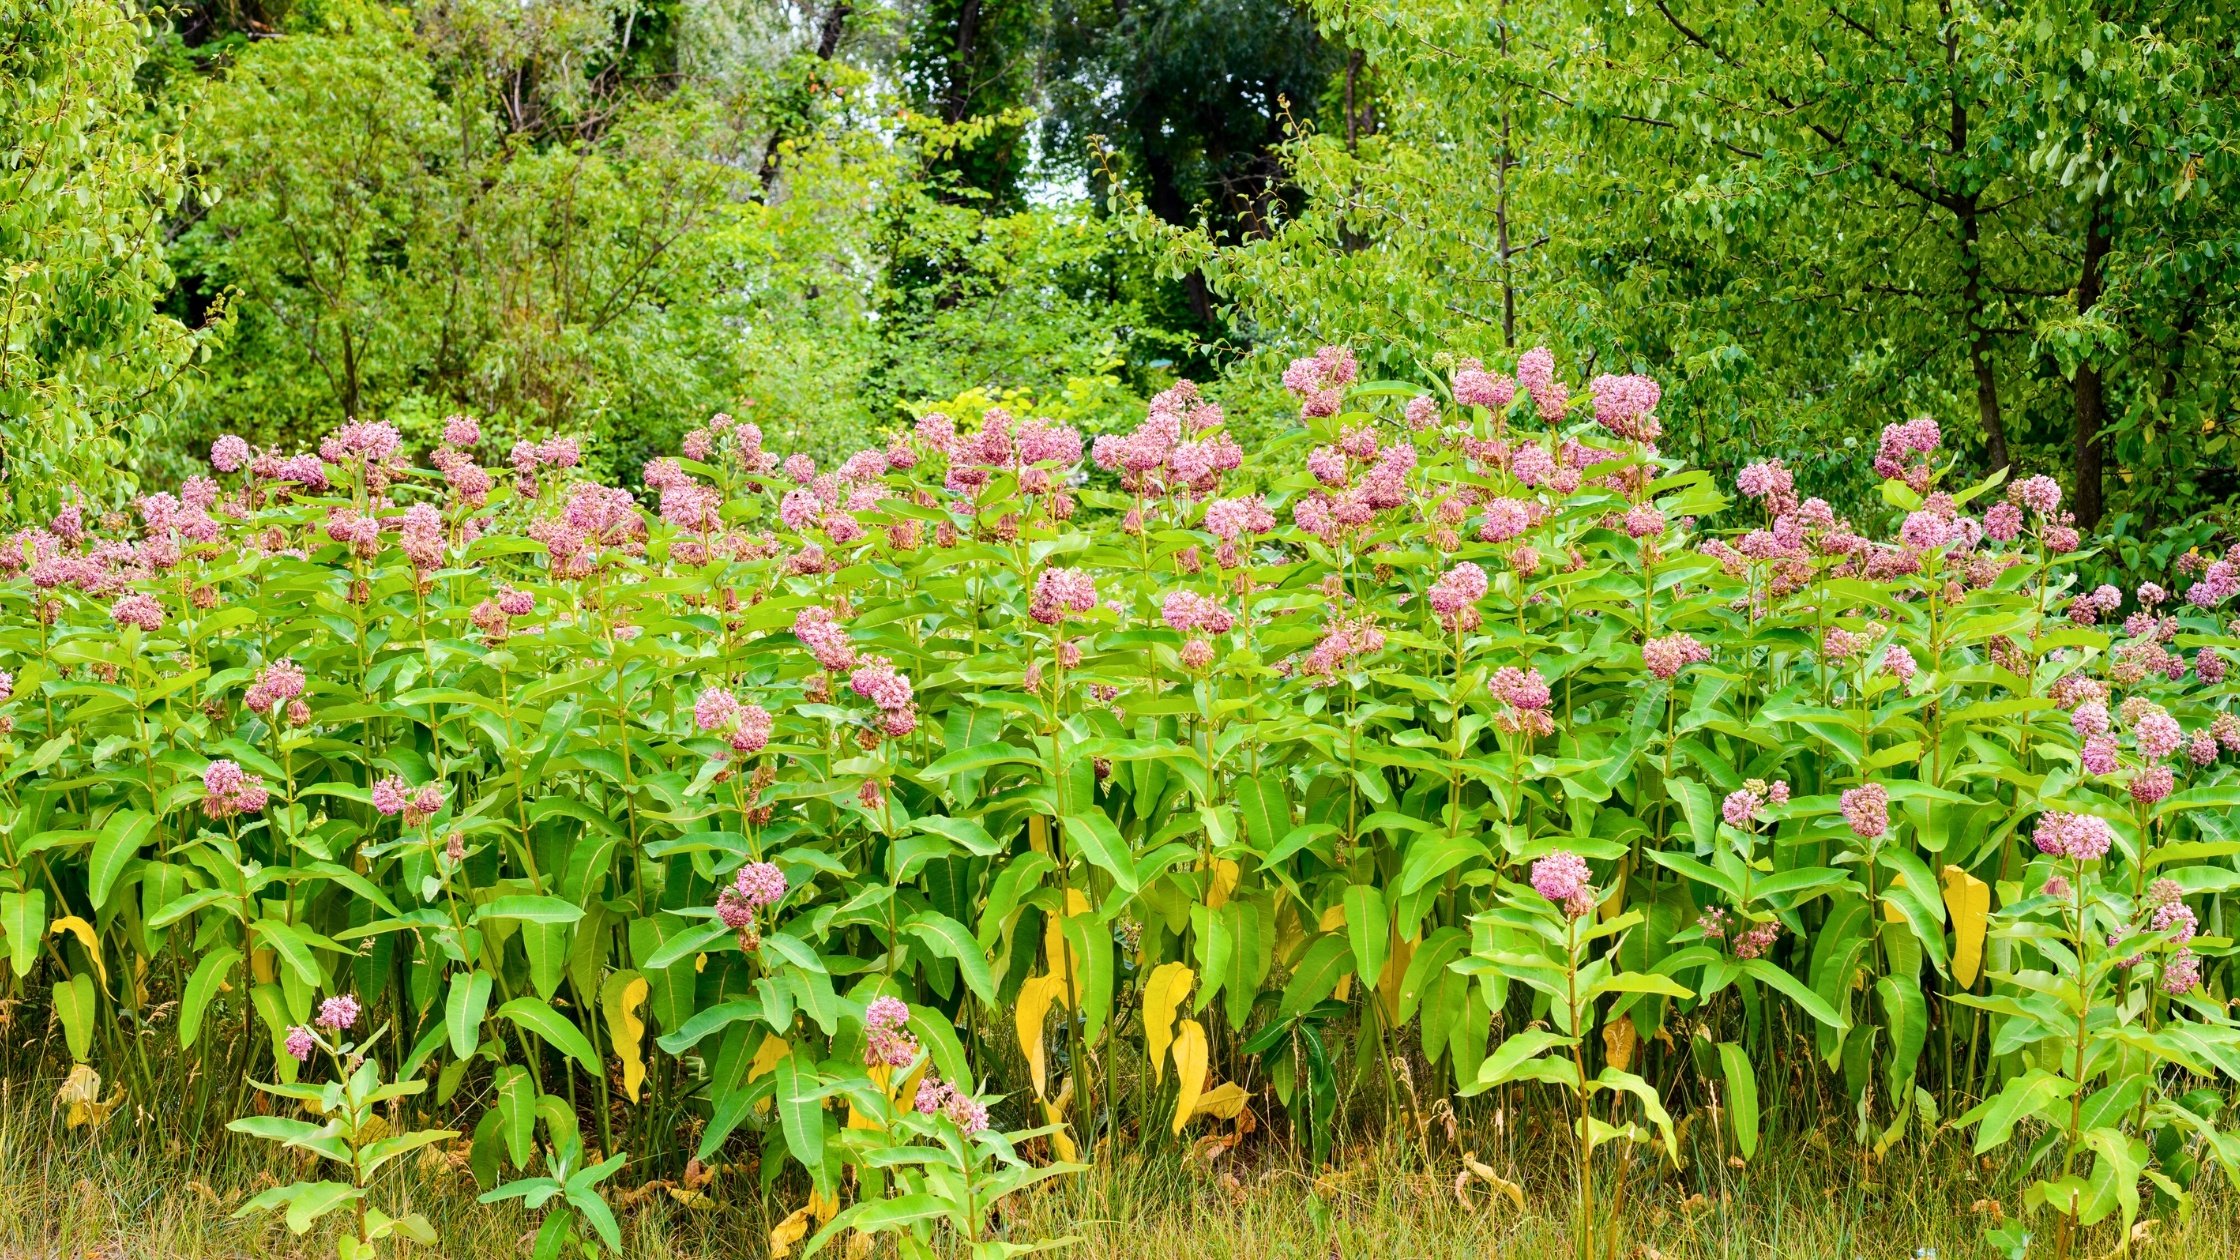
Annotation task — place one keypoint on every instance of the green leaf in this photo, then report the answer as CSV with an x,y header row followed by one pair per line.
x,y
1316,976
1369,930
532,1014
1092,834
530,910
202,990
463,1008
23,915
1742,1097
800,1114
1996,1117
76,1003
948,938
979,757
120,842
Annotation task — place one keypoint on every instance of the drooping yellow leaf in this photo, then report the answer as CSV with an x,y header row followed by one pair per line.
x,y
1038,833
1969,901
623,998
766,1056
1223,1101
788,1233
80,1097
1064,965
1223,882
822,1208
261,963
1474,1168
1189,1071
1334,920
1619,1037
1054,1112
83,930
1027,1016
1163,991
1395,969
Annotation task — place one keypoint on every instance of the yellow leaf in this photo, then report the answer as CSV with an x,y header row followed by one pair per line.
x,y
1189,1070
1063,964
1038,833
1395,970
83,930
1473,1167
1969,901
1334,920
1054,1112
1616,901
1168,984
261,963
1223,1101
623,997
822,1208
80,1095
1032,1007
766,1056
1224,882
788,1233
859,1245
1619,1037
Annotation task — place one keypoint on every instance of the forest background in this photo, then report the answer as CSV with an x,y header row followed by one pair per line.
x,y
612,219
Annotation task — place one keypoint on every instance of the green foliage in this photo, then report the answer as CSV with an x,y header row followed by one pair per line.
x,y
817,816
88,368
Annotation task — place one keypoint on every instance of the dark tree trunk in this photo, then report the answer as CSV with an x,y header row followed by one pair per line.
x,y
1979,339
956,105
2089,390
828,46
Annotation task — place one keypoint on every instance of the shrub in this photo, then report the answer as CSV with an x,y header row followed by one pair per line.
x,y
1111,787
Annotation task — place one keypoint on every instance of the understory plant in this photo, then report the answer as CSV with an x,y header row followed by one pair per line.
x,y
887,837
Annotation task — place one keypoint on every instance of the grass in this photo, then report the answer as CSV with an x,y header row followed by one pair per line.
x,y
72,1194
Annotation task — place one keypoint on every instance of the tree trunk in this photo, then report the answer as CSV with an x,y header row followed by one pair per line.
x,y
1979,340
957,102
828,46
2089,390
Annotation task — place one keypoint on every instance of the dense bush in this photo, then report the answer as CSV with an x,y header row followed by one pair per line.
x,y
1102,791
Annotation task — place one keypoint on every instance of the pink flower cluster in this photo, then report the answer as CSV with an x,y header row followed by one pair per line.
x,y
1867,809
1906,452
888,1043
339,1013
1624,405
824,636
755,886
1564,878
1454,597
1742,805
392,795
1536,375
1343,642
2077,837
1525,693
1320,381
276,684
937,1097
1177,449
748,726
1665,657
227,792
877,680
1059,593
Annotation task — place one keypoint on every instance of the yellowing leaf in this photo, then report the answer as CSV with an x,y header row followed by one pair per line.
x,y
1223,1102
788,1233
1472,1167
1224,882
1189,1070
1054,1112
1334,920
1619,1037
623,998
80,1096
766,1056
822,1208
1027,1015
1038,833
1969,901
1163,992
1063,963
1395,969
83,930
261,963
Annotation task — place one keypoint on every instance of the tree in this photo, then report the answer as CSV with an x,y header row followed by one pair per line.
x,y
87,173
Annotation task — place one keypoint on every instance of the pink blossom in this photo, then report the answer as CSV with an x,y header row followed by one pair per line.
x,y
1059,592
1667,656
300,1043
229,453
391,795
136,609
1867,809
338,1013
1563,878
1454,596
2079,837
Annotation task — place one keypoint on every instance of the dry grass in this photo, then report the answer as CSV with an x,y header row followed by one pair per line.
x,y
70,1195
